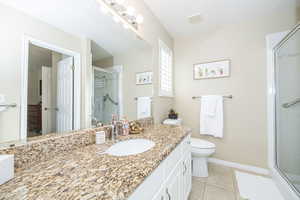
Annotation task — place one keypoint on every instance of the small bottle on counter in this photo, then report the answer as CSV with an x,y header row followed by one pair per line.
x,y
100,137
125,126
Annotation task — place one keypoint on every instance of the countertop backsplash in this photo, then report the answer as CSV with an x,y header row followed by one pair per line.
x,y
42,148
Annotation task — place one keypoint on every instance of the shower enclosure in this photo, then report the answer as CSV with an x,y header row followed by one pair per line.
x,y
105,100
285,111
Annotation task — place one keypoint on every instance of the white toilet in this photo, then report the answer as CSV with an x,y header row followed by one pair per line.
x,y
201,150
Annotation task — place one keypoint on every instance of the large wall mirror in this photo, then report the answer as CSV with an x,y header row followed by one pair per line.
x,y
120,82
54,80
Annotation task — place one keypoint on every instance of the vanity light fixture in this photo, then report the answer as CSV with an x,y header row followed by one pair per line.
x,y
121,13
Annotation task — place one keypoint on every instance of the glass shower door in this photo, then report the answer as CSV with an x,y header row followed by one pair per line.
x,y
287,59
105,95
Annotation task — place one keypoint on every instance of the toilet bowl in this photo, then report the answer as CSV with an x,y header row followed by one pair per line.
x,y
201,150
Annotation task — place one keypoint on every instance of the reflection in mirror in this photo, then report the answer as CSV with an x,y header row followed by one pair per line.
x,y
105,92
120,82
50,92
54,84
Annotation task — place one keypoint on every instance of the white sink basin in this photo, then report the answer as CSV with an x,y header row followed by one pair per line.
x,y
130,147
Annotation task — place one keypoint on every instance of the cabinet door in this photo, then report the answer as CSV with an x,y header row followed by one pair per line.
x,y
174,185
160,195
187,176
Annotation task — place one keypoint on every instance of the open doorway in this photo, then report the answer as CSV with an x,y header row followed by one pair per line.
x,y
50,92
49,101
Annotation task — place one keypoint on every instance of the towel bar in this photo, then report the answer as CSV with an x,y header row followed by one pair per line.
x,y
228,97
8,105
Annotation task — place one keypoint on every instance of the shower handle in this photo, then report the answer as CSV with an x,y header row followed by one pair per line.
x,y
291,103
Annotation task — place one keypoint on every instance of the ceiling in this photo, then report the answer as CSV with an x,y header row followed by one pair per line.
x,y
174,14
82,18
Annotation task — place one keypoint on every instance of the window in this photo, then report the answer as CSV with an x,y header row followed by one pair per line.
x,y
165,70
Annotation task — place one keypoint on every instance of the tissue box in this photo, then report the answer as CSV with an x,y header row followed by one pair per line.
x,y
6,168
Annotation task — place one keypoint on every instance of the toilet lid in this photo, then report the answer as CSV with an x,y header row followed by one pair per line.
x,y
173,121
202,144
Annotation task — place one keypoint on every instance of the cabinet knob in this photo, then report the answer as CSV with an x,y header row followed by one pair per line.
x,y
185,168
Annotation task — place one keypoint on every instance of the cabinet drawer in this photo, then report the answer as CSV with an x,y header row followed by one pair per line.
x,y
151,185
186,145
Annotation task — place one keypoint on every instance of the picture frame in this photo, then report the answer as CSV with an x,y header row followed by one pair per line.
x,y
214,69
144,78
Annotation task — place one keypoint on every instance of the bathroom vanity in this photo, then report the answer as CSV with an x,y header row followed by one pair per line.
x,y
88,172
172,179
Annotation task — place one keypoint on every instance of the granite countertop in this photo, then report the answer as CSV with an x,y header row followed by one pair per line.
x,y
87,174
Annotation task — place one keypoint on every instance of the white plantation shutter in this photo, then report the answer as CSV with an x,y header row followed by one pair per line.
x,y
166,70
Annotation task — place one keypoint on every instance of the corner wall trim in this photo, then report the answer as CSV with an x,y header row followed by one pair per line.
x,y
248,168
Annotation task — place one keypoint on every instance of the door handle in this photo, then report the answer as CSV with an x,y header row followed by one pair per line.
x,y
185,168
291,103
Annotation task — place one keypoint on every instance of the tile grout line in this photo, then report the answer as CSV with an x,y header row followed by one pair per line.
x,y
204,191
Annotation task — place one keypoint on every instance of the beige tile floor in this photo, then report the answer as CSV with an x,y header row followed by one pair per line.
x,y
220,185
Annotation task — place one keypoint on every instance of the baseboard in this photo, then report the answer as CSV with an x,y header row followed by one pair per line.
x,y
248,168
294,177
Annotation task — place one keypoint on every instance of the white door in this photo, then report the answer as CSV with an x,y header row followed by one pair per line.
x,y
47,110
65,95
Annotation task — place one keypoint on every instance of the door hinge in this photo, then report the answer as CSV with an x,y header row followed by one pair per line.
x,y
73,67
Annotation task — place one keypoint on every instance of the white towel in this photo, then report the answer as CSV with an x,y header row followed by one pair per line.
x,y
211,116
143,107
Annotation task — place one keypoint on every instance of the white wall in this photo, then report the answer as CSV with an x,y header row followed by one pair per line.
x,y
14,25
104,62
245,137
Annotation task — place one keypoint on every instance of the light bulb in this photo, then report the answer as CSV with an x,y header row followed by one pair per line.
x,y
130,10
125,26
104,10
120,2
139,19
116,19
108,1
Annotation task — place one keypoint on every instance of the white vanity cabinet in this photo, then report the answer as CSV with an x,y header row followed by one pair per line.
x,y
187,176
174,185
171,180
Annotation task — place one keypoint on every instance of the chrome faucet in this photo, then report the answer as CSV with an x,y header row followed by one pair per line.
x,y
114,128
96,122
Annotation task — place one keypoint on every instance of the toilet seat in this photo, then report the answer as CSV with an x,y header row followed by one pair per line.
x,y
202,144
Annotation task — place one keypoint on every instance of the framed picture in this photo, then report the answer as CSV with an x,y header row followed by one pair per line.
x,y
216,69
144,78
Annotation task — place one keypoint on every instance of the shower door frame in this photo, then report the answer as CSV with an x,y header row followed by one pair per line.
x,y
287,190
115,69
